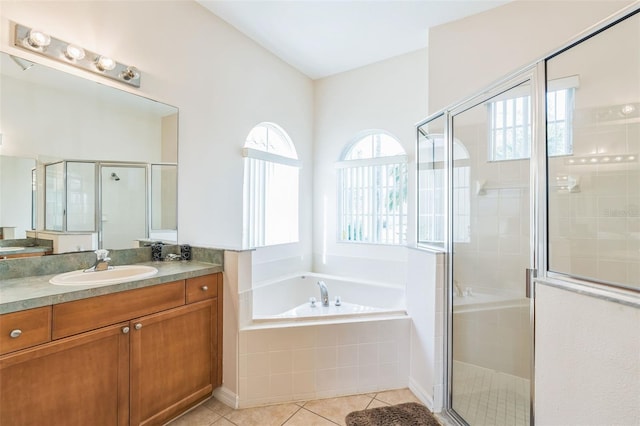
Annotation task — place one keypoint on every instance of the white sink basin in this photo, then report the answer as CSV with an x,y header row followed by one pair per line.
x,y
10,249
118,274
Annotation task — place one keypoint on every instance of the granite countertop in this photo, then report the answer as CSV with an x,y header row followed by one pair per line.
x,y
17,294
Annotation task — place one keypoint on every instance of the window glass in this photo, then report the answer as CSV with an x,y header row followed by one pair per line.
x,y
510,128
270,187
373,191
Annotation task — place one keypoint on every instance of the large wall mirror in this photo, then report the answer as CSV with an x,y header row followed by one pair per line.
x,y
51,124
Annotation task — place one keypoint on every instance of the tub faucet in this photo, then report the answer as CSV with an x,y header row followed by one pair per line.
x,y
102,261
324,293
457,290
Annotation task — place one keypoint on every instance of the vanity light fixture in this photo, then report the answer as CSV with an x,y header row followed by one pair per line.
x,y
74,53
105,63
37,39
39,42
131,73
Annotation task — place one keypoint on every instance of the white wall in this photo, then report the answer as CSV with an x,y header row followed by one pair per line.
x,y
222,82
580,340
425,306
467,55
388,95
587,360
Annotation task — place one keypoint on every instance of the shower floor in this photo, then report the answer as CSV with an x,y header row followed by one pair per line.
x,y
488,397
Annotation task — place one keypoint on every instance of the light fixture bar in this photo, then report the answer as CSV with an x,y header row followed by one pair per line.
x,y
37,41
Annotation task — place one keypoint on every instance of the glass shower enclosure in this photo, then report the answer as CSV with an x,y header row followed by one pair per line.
x,y
536,178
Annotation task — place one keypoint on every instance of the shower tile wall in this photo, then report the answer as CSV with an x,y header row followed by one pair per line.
x,y
306,362
497,251
595,231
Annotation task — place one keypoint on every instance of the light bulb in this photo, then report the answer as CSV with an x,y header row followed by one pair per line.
x,y
37,39
74,53
627,109
104,63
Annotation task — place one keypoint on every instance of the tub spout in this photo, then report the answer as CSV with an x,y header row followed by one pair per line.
x,y
324,293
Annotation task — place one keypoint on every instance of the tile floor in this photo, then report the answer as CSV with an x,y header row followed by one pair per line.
x,y
487,397
321,412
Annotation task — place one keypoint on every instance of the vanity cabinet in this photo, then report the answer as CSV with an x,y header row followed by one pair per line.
x,y
80,380
139,357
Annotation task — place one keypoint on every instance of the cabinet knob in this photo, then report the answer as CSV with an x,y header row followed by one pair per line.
x,y
15,333
138,326
125,330
204,288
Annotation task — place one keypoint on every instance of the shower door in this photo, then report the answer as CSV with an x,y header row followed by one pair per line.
x,y
491,253
123,199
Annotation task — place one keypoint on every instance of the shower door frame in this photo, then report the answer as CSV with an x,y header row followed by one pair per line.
x,y
535,76
538,203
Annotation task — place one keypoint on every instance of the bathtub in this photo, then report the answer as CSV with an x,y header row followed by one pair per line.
x,y
290,351
483,321
484,298
288,299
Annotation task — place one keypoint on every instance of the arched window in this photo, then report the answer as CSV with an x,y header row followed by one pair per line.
x,y
373,190
271,170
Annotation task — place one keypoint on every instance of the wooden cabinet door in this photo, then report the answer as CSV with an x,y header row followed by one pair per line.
x,y
81,380
172,361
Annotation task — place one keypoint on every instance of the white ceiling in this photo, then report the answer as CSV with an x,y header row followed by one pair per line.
x,y
325,37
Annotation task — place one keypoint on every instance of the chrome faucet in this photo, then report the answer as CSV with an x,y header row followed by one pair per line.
x,y
102,261
324,293
457,290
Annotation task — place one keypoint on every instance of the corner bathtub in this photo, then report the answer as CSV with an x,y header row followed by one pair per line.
x,y
289,351
287,299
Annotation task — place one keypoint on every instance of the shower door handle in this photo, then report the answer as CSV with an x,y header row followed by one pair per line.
x,y
530,275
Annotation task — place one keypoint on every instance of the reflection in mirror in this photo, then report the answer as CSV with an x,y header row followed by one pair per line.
x,y
54,197
123,185
16,206
164,192
49,116
594,191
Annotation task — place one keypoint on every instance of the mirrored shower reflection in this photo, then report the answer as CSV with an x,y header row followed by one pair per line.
x,y
124,205
491,331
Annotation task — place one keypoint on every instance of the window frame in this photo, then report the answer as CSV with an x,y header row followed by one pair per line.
x,y
375,220
258,166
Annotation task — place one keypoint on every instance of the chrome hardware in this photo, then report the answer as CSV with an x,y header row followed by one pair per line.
x,y
324,293
102,261
204,288
125,330
338,301
528,288
312,302
138,326
15,333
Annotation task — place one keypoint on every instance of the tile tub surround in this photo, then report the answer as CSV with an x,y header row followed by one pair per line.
x,y
25,282
294,363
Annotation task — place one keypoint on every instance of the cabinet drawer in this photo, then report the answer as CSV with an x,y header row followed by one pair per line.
x,y
88,314
28,328
201,288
